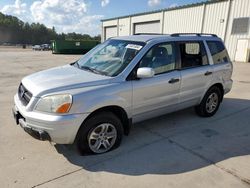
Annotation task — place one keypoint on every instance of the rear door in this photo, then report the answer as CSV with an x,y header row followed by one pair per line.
x,y
196,73
159,94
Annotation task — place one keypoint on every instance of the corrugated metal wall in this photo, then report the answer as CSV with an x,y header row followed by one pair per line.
x,y
124,29
239,8
214,18
183,20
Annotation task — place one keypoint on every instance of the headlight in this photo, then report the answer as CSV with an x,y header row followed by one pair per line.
x,y
55,104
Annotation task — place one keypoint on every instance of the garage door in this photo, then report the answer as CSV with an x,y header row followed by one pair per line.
x,y
110,32
147,27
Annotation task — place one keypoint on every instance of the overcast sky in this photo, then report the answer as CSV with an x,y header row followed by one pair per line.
x,y
81,16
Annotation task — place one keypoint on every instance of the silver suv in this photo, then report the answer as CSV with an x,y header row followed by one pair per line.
x,y
93,101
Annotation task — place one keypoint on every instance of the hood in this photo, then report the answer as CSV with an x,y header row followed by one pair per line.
x,y
62,78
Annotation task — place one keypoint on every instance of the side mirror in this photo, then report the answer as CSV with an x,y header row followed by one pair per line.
x,y
145,72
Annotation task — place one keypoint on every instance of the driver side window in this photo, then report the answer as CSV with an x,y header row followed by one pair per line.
x,y
161,58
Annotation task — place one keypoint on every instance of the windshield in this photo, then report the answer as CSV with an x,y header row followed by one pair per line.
x,y
111,57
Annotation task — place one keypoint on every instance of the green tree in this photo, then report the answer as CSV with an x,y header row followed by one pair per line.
x,y
15,31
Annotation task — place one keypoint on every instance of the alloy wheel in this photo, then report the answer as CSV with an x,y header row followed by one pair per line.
x,y
212,102
102,138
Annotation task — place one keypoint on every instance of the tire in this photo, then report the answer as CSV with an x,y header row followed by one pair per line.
x,y
97,131
206,109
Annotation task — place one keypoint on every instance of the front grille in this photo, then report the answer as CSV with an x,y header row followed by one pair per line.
x,y
24,95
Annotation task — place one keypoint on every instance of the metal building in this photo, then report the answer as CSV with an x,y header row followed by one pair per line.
x,y
229,19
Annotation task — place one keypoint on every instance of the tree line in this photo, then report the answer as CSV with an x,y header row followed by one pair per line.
x,y
15,31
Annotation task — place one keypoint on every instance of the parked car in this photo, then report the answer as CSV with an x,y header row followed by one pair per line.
x,y
95,100
45,47
36,47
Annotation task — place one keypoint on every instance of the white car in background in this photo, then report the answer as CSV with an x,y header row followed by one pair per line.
x,y
36,47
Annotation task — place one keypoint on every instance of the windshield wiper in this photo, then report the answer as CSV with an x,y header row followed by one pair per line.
x,y
93,70
87,68
75,63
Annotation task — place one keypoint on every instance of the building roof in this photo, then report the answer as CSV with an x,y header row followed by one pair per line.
x,y
167,9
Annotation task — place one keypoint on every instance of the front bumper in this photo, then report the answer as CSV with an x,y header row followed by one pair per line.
x,y
61,129
38,134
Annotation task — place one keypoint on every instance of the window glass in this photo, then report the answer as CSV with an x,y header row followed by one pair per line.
x,y
192,48
240,26
218,52
161,58
193,54
111,57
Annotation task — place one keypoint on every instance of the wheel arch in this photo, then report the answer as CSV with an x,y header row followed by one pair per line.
x,y
116,110
221,88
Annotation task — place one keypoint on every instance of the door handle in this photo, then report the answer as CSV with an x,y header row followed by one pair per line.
x,y
208,73
173,80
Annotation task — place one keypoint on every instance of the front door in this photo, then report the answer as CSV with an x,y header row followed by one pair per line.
x,y
159,94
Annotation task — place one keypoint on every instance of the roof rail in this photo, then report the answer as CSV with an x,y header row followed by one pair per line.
x,y
148,34
197,34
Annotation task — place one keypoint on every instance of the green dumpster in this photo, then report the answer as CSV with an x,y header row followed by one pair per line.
x,y
72,46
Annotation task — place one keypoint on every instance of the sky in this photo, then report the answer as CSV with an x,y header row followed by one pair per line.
x,y
81,16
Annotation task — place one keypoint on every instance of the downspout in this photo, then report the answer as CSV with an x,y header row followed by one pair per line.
x,y
103,33
162,22
118,27
227,21
203,17
130,25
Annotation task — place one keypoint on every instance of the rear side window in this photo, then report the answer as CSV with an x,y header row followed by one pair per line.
x,y
218,52
193,54
192,48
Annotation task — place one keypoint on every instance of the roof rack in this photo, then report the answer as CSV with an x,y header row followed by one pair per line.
x,y
197,34
148,34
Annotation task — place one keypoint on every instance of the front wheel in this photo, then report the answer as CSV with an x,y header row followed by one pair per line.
x,y
100,133
210,103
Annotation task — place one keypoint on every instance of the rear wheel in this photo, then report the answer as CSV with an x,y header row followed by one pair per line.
x,y
99,134
210,103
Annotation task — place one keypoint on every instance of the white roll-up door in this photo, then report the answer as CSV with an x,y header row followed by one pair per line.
x,y
110,32
147,27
